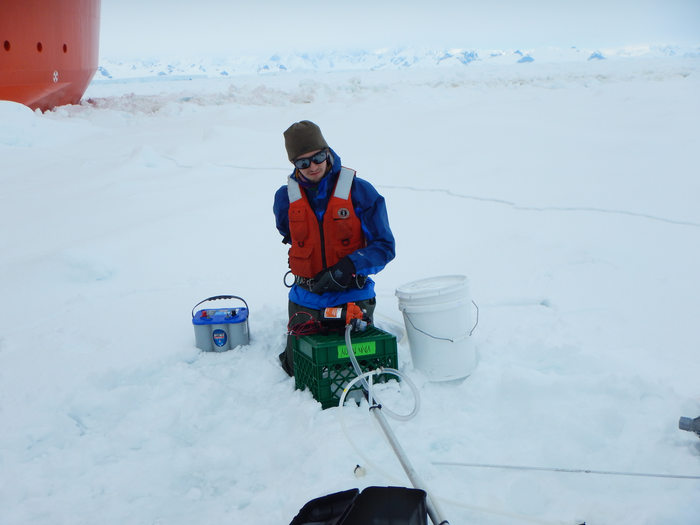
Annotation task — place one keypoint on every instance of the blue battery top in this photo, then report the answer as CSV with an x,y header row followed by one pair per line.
x,y
220,316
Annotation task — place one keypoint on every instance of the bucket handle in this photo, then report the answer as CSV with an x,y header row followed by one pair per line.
x,y
217,297
445,338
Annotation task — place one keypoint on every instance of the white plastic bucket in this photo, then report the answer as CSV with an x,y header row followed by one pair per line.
x,y
437,314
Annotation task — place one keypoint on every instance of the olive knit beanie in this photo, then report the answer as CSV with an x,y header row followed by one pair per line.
x,y
303,137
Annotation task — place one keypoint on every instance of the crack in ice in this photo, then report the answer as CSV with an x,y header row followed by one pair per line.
x,y
545,208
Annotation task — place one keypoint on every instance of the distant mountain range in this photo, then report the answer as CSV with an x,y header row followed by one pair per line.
x,y
113,70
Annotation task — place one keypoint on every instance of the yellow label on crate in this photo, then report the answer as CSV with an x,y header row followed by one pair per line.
x,y
360,349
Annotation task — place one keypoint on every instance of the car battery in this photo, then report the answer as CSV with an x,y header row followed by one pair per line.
x,y
221,329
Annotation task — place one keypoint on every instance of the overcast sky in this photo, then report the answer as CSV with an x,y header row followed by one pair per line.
x,y
172,28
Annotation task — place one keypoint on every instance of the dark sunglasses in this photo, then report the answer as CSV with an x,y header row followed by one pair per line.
x,y
317,158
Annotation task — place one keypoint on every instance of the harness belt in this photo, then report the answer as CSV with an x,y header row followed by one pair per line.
x,y
307,283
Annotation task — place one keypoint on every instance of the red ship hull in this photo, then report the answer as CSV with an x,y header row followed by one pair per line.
x,y
48,50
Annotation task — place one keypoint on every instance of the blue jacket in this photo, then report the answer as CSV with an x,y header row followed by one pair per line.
x,y
370,208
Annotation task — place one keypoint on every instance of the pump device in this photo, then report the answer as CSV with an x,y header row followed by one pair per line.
x,y
340,316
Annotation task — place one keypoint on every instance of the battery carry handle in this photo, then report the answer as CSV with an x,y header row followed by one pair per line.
x,y
216,298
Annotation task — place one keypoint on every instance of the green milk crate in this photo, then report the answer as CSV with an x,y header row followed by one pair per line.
x,y
322,364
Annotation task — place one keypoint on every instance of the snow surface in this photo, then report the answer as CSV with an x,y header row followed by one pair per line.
x,y
566,191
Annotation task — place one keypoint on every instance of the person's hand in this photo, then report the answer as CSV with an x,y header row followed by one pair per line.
x,y
334,279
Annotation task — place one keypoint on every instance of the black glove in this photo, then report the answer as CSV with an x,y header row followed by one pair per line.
x,y
334,279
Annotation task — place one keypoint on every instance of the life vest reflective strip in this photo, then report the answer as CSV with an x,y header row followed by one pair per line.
x,y
317,245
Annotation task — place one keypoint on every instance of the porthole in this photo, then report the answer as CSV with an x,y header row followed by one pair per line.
x,y
7,45
39,47
65,48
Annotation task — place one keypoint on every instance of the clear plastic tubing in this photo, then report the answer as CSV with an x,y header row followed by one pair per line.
x,y
368,388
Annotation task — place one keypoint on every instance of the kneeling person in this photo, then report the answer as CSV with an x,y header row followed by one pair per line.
x,y
337,226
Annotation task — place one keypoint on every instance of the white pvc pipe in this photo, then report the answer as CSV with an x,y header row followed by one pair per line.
x,y
398,481
436,514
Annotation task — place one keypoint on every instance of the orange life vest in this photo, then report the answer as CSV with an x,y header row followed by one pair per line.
x,y
317,245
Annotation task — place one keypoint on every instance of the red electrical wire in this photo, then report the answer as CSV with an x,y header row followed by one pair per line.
x,y
312,326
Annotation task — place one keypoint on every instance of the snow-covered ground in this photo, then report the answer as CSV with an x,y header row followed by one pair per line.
x,y
567,191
